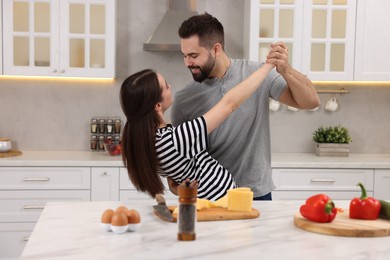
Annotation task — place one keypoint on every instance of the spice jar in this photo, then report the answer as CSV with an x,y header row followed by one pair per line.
x,y
94,125
117,126
110,126
94,143
102,126
187,212
101,142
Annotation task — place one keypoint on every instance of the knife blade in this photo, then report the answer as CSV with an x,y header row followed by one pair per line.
x,y
162,210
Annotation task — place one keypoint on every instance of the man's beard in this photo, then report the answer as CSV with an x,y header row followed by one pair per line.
x,y
204,70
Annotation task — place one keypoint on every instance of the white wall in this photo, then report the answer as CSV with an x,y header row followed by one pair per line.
x,y
54,114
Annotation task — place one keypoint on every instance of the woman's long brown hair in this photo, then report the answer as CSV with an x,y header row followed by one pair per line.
x,y
139,94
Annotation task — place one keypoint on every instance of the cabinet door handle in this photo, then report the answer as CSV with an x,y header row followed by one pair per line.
x,y
33,207
25,238
322,180
36,179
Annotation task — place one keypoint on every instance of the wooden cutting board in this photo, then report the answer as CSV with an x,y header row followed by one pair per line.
x,y
214,214
342,225
10,153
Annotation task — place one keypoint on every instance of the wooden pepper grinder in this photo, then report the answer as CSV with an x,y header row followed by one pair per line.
x,y
187,212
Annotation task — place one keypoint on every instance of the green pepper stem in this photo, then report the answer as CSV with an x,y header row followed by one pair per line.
x,y
364,192
329,206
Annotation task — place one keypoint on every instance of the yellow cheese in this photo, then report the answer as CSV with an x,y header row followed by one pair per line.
x,y
240,200
222,202
204,204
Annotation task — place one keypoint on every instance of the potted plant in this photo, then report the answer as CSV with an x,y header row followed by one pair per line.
x,y
332,141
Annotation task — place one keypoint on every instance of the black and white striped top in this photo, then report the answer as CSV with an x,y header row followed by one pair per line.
x,y
182,154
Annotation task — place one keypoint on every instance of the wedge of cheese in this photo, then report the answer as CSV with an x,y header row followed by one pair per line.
x,y
204,204
222,202
240,199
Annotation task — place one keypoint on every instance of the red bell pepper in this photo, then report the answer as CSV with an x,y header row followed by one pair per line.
x,y
319,208
364,207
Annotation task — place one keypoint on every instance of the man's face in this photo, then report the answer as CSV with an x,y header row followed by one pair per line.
x,y
197,59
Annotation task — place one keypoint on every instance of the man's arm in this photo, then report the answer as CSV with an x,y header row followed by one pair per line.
x,y
300,92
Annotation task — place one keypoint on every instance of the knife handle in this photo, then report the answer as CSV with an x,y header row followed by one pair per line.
x,y
160,199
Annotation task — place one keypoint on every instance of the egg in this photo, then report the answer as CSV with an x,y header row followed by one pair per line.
x,y
105,222
122,208
134,220
119,223
119,219
133,216
107,216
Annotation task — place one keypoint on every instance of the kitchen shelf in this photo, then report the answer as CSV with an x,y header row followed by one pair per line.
x,y
333,91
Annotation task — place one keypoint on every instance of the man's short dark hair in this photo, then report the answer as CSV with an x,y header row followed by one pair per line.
x,y
206,27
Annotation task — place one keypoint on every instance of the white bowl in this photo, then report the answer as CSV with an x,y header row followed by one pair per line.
x,y
5,145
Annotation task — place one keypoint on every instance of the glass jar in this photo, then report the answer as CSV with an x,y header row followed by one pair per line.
x,y
94,143
94,125
117,126
101,142
110,126
102,126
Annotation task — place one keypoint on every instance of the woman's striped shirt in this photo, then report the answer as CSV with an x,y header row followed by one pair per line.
x,y
182,155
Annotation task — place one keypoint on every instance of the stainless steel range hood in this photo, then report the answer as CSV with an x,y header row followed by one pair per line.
x,y
165,37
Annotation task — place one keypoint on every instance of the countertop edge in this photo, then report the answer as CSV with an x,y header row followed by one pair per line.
x,y
279,160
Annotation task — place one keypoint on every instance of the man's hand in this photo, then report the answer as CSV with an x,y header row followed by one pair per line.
x,y
278,55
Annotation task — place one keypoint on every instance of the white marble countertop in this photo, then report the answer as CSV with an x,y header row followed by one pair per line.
x,y
71,231
279,160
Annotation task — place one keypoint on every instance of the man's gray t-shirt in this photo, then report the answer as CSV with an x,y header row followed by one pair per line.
x,y
242,142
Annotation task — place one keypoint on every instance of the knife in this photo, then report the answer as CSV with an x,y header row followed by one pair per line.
x,y
162,210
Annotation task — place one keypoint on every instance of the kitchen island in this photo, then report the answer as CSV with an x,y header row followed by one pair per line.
x,y
71,230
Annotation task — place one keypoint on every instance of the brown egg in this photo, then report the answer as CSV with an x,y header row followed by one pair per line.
x,y
133,217
119,219
107,216
122,208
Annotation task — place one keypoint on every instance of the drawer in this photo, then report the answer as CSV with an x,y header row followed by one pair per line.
x,y
14,238
322,179
26,178
26,206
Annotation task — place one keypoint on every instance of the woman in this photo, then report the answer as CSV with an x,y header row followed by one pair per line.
x,y
151,147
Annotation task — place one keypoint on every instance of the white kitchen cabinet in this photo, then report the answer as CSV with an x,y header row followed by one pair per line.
x,y
382,184
328,39
1,39
24,191
270,21
67,38
294,183
14,237
105,183
372,40
318,33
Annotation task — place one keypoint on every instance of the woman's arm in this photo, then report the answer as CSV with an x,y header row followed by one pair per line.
x,y
235,97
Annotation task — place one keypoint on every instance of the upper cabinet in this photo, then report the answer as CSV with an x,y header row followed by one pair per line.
x,y
372,60
327,39
270,21
1,40
61,38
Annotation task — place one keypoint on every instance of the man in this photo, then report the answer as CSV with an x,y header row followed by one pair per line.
x,y
241,143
